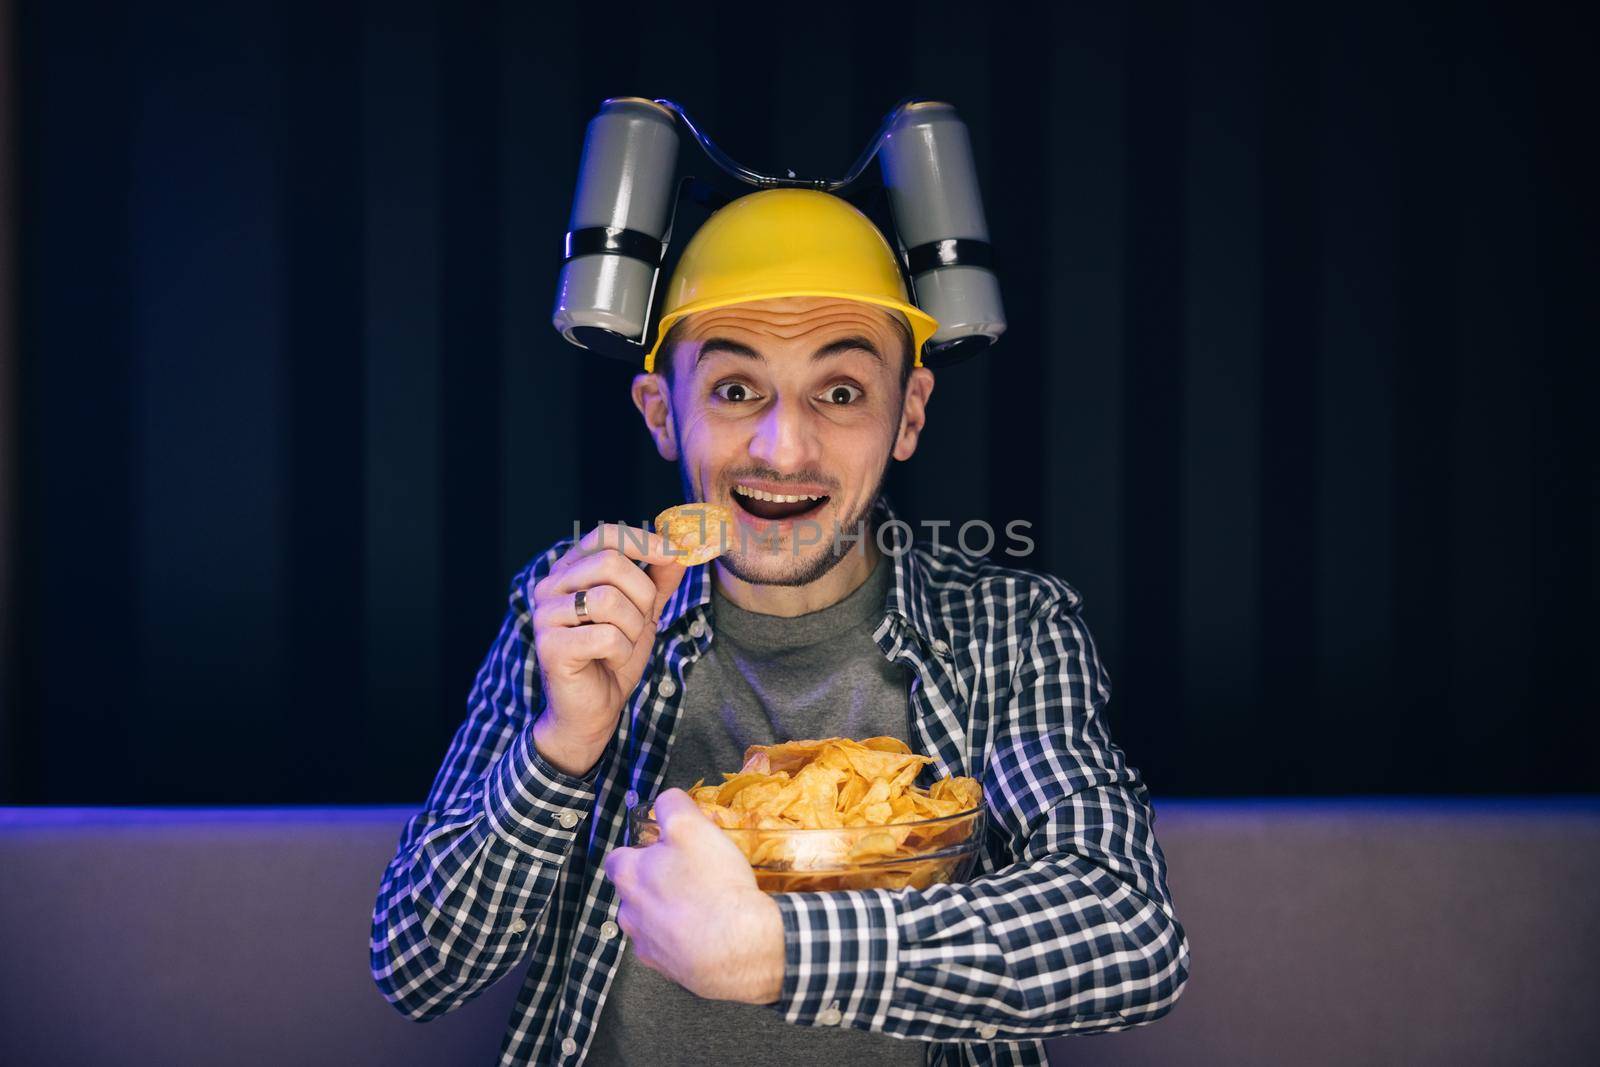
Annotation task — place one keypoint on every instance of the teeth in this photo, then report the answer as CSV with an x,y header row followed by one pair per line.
x,y
776,498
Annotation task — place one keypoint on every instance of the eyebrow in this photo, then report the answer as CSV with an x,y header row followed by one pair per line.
x,y
855,343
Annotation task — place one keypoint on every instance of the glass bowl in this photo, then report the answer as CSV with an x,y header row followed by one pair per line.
x,y
895,856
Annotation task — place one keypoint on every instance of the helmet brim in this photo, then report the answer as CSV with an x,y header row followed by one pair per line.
x,y
923,325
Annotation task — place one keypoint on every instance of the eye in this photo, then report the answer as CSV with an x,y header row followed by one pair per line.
x,y
736,392
842,394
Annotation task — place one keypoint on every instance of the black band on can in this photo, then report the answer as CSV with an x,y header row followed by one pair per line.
x,y
613,240
953,252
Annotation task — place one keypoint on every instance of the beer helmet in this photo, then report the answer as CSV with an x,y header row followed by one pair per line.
x,y
791,237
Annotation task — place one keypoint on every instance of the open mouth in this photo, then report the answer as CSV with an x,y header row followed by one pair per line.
x,y
777,507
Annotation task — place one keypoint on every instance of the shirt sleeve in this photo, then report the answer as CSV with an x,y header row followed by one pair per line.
x,y
475,868
1073,933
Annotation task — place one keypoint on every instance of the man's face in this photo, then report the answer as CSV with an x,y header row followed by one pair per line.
x,y
787,411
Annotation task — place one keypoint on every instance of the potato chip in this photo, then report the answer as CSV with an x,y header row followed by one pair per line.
x,y
887,744
733,786
789,756
871,825
874,846
699,532
853,791
963,793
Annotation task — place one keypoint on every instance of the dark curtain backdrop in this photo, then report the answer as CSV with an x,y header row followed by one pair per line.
x,y
1297,389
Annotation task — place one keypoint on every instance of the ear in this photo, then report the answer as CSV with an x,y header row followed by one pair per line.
x,y
653,397
913,412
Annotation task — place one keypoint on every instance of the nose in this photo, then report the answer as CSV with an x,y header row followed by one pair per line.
x,y
785,439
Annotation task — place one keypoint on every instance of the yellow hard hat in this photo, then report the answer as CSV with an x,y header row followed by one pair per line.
x,y
788,242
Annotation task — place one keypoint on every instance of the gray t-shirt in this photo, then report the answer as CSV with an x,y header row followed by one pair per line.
x,y
764,679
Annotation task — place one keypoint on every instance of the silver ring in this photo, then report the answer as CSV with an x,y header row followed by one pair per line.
x,y
580,605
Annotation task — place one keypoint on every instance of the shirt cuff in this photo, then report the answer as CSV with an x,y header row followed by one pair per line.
x,y
532,804
841,954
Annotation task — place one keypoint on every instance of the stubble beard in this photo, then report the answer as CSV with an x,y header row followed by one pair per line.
x,y
835,545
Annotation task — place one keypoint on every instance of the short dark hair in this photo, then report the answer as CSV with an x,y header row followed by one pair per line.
x,y
663,364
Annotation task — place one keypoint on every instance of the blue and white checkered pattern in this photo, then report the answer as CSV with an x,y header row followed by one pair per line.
x,y
1066,926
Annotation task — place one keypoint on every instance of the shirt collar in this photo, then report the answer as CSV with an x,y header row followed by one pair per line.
x,y
908,595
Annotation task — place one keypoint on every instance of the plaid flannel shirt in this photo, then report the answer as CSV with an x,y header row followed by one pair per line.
x,y
1066,926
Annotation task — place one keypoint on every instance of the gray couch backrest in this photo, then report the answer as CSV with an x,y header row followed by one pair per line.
x,y
1321,932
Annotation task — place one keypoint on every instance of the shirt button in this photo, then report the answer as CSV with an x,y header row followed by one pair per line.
x,y
567,819
517,926
697,628
987,1031
568,1046
941,648
830,1017
608,930
667,687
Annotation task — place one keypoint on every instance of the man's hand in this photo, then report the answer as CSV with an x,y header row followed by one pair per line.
x,y
590,666
691,906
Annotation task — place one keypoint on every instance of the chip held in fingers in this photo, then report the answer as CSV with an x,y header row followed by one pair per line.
x,y
698,533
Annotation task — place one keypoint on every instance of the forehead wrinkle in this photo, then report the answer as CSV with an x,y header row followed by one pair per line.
x,y
786,323
853,343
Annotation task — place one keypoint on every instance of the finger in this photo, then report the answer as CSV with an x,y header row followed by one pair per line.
x,y
665,565
627,923
604,603
620,864
632,926
665,577
678,815
571,648
602,568
643,649
635,542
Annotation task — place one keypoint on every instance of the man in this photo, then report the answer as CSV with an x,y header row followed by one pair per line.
x,y
789,378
